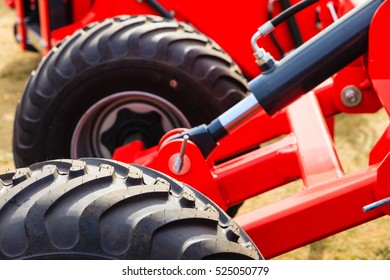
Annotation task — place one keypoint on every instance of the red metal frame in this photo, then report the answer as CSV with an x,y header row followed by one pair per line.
x,y
20,27
242,166
44,10
228,22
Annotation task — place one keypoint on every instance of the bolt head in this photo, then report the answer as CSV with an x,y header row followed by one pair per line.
x,y
351,96
186,164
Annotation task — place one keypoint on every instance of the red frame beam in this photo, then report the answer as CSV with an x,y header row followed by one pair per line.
x,y
44,18
312,214
318,160
257,172
21,26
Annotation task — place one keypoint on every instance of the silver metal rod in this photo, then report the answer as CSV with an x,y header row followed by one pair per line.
x,y
377,204
180,159
332,10
240,112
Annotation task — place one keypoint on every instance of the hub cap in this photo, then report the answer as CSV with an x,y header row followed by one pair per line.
x,y
122,118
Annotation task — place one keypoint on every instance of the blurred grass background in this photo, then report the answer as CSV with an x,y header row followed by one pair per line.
x,y
355,136
15,68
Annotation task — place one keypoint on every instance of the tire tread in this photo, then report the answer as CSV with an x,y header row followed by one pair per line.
x,y
91,208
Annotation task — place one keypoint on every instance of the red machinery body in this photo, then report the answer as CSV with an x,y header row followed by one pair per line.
x,y
331,201
229,21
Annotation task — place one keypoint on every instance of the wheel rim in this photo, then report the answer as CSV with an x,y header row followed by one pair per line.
x,y
122,118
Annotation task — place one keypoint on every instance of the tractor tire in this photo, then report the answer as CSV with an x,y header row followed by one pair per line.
x,y
101,209
120,80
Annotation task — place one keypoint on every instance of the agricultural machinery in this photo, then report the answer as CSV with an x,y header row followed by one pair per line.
x,y
150,98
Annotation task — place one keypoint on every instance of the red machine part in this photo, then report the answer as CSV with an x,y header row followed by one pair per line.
x,y
21,28
379,61
330,201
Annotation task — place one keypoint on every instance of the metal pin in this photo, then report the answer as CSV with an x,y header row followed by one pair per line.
x,y
332,10
377,204
180,159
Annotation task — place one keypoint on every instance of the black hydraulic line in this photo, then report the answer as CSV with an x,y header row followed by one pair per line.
x,y
291,11
292,25
270,25
272,35
159,9
316,60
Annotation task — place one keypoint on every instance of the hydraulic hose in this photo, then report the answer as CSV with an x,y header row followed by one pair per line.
x,y
292,25
265,60
159,8
291,11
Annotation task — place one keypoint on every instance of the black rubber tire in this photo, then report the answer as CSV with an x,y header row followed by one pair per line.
x,y
101,209
149,54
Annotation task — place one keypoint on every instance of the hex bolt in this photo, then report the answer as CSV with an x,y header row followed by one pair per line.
x,y
351,96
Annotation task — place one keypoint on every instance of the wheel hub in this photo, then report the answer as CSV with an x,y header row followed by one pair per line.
x,y
130,126
122,118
